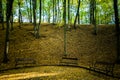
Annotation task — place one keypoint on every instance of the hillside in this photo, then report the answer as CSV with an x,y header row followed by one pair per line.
x,y
49,48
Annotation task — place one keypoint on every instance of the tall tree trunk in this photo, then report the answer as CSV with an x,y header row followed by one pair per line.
x,y
77,14
91,12
20,15
68,12
31,11
3,20
79,17
64,19
93,15
43,9
40,14
117,29
11,20
34,17
8,13
1,11
49,14
58,12
26,2
71,18
53,11
1,15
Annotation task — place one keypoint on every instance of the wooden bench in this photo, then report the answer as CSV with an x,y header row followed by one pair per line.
x,y
24,62
103,67
69,61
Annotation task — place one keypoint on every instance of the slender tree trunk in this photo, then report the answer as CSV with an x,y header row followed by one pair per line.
x,y
20,15
79,17
91,11
43,9
40,11
34,17
77,14
49,15
68,12
1,15
53,11
93,15
11,20
3,21
8,13
117,29
64,19
71,17
28,10
31,11
58,11
1,11
98,18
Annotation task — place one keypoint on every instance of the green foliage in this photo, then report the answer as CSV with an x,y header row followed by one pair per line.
x,y
104,10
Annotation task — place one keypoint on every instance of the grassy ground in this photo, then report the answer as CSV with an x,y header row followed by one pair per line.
x,y
49,48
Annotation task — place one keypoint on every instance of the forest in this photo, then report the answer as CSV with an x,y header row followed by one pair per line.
x,y
59,39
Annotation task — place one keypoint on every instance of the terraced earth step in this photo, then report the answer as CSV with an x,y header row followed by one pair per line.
x,y
24,61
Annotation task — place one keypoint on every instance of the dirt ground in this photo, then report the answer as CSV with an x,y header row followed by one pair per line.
x,y
49,49
52,73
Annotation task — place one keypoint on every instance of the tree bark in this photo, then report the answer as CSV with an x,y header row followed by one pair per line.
x,y
30,11
93,15
68,12
64,19
40,11
77,14
49,13
43,9
1,15
91,11
34,17
0,11
20,15
8,13
117,30
57,8
11,20
53,11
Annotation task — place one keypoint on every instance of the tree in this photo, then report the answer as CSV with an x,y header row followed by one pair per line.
x,y
20,15
64,19
68,12
34,17
77,14
49,9
56,11
117,29
11,20
8,14
0,11
93,15
1,15
30,11
53,11
43,9
40,14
